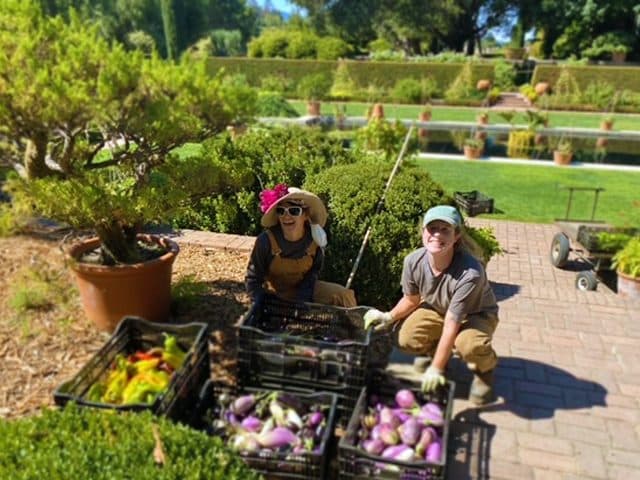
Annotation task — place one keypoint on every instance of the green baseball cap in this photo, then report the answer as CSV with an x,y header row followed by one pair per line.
x,y
444,213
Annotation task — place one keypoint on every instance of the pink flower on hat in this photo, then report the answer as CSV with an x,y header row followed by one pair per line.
x,y
269,197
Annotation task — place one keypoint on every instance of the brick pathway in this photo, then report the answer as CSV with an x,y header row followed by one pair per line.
x,y
568,381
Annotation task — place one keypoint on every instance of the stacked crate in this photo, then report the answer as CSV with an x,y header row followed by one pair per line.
x,y
307,347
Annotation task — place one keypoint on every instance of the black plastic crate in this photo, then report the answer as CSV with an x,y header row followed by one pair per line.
x,y
279,464
132,334
355,463
474,202
304,344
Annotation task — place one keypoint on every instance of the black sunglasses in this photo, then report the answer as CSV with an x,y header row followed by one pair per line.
x,y
293,211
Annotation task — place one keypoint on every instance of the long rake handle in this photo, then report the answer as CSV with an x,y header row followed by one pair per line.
x,y
379,206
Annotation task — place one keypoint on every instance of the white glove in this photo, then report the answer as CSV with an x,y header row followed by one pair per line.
x,y
432,378
381,321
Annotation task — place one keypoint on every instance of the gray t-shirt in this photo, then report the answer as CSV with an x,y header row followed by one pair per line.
x,y
462,289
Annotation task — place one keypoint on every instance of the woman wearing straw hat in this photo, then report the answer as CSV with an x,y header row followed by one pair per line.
x,y
287,257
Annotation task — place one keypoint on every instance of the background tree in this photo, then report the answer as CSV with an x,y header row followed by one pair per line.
x,y
92,127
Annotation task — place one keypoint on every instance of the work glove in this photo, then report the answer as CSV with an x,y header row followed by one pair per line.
x,y
381,321
433,378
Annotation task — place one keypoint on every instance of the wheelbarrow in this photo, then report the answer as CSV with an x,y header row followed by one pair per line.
x,y
580,238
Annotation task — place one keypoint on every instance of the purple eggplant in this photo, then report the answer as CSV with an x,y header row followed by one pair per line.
x,y
278,413
388,434
405,398
388,416
410,432
278,437
315,419
242,405
399,452
431,414
402,415
292,419
434,451
375,432
427,436
251,424
374,447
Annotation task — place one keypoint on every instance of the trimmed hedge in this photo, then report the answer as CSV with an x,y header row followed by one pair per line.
x,y
351,193
363,73
83,443
621,77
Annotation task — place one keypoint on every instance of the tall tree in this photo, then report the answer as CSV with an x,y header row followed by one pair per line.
x,y
169,27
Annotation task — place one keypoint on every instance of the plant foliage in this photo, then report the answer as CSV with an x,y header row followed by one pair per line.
x,y
102,445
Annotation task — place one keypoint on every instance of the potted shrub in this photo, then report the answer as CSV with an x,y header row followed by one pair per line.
x,y
563,153
483,117
606,123
619,53
473,148
627,265
314,88
98,155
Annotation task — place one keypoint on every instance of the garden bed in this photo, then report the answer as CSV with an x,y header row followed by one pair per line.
x,y
43,347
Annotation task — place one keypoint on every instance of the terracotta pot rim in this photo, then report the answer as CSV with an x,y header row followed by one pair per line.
x,y
76,250
628,277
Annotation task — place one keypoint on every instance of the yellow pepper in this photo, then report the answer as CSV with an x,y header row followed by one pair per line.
x,y
173,354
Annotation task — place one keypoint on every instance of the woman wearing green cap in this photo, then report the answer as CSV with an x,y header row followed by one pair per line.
x,y
447,301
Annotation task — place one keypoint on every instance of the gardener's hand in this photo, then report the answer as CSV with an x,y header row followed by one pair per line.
x,y
381,321
432,378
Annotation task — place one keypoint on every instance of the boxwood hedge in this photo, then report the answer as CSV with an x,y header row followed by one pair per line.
x,y
93,444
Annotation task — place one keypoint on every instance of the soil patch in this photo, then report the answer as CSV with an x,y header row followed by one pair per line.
x,y
45,338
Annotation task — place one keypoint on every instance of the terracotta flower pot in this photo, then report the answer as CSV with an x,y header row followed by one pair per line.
x,y
109,293
628,287
541,88
618,57
424,117
483,119
377,112
606,125
561,158
313,108
472,152
483,84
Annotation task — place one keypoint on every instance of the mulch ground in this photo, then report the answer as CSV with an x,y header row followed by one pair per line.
x,y
43,346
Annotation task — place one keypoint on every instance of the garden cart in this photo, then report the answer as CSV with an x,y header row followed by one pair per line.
x,y
580,237
592,241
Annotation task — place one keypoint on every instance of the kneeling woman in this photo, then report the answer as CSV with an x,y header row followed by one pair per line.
x,y
287,257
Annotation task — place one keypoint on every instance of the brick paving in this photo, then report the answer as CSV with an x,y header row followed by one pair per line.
x,y
568,381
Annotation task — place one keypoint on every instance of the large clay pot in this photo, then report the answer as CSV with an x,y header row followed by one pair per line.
x,y
377,112
541,88
313,108
424,117
618,57
560,158
628,287
471,152
606,125
483,84
109,293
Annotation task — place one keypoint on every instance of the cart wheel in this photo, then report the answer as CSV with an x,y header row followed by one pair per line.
x,y
559,250
586,281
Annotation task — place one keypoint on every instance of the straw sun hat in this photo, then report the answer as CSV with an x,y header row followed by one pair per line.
x,y
270,199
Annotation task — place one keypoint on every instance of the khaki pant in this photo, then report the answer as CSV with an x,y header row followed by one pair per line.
x,y
420,332
329,293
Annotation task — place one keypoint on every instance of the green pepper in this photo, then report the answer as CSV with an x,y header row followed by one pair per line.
x,y
117,381
173,354
145,387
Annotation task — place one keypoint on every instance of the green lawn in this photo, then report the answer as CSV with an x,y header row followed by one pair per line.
x,y
465,114
536,194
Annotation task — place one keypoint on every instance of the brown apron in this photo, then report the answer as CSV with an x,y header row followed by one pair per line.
x,y
285,274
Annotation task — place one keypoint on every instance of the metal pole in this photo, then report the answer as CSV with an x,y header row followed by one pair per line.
x,y
379,206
